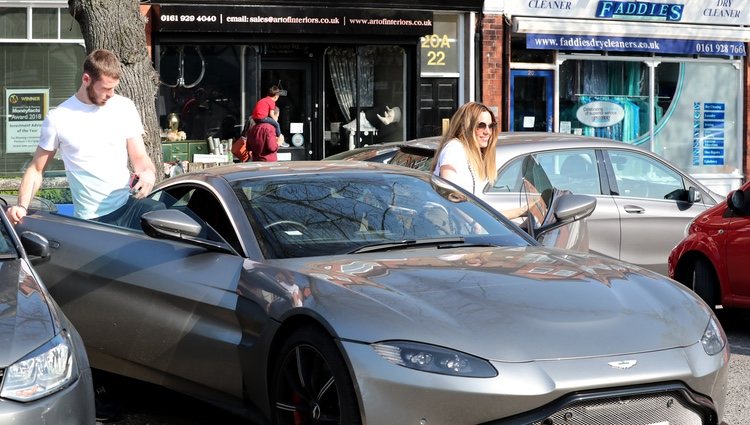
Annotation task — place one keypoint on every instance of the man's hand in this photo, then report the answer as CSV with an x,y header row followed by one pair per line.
x,y
16,213
146,181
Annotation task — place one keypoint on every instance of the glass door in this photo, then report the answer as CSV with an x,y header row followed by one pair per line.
x,y
294,80
532,100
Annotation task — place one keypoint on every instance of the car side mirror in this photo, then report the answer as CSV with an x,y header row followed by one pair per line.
x,y
178,226
567,209
736,201
694,195
36,246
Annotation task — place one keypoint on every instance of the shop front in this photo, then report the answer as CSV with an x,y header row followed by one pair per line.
x,y
665,76
348,76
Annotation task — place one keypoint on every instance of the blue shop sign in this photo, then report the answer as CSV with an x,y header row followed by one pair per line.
x,y
634,44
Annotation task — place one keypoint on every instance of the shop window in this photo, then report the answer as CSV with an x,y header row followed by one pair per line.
x,y
50,68
69,28
699,124
201,89
13,22
607,99
364,95
44,23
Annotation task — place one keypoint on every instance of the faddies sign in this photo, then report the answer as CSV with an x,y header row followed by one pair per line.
x,y
718,12
293,20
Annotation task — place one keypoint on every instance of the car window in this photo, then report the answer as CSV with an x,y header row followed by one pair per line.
x,y
203,206
574,170
418,159
638,175
7,249
307,216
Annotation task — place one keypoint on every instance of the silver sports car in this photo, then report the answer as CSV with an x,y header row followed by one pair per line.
x,y
362,293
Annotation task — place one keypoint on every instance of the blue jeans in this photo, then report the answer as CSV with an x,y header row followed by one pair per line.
x,y
129,215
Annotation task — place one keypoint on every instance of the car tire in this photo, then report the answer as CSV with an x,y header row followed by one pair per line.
x,y
311,383
704,283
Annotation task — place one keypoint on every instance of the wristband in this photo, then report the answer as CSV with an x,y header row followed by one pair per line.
x,y
24,208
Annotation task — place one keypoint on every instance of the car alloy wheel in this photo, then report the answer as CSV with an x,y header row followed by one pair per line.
x,y
311,384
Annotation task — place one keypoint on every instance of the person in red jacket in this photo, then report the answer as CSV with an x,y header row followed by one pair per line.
x,y
261,140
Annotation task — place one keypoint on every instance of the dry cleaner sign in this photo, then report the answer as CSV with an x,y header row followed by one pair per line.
x,y
600,114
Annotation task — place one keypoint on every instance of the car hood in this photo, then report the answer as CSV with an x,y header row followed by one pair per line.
x,y
506,304
25,318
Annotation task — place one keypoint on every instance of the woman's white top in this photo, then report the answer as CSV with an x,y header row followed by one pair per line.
x,y
454,154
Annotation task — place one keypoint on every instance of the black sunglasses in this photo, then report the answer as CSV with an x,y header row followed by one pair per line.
x,y
484,126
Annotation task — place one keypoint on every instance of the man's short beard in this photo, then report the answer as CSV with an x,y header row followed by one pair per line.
x,y
92,96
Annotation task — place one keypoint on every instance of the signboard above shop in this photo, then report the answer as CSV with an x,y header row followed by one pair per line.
x,y
292,20
716,12
443,5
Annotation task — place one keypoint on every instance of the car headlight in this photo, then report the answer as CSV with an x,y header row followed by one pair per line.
x,y
429,358
714,339
688,229
47,369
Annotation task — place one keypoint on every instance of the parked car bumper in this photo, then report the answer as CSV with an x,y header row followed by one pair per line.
x,y
540,389
72,405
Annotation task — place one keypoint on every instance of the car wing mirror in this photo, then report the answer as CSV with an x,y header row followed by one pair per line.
x,y
694,195
567,209
36,246
176,225
736,201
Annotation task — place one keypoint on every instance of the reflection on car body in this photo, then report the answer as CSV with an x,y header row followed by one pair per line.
x,y
368,293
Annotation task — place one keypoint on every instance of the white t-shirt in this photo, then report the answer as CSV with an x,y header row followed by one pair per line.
x,y
454,154
92,141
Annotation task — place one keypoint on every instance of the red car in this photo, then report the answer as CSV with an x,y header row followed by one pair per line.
x,y
713,257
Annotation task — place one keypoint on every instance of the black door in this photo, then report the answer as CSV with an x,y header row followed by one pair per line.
x,y
438,101
295,105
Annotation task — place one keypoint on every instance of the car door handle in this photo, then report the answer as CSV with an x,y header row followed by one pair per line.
x,y
634,209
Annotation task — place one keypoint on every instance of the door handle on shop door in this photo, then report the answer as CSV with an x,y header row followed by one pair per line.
x,y
634,209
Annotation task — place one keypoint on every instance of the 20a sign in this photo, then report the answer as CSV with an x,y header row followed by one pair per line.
x,y
436,46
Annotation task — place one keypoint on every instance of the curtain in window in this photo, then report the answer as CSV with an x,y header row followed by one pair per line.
x,y
342,63
343,69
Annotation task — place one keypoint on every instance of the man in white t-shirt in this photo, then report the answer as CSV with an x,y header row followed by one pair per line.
x,y
96,132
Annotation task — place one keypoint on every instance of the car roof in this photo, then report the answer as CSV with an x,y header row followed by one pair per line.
x,y
513,144
540,140
253,170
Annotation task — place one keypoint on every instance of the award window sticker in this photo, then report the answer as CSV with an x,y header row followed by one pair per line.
x,y
26,110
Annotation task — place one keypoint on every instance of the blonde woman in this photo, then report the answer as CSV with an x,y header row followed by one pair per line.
x,y
466,155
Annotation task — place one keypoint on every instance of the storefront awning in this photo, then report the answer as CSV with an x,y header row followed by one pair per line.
x,y
538,25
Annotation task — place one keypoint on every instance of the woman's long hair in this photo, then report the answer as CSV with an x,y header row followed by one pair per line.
x,y
461,128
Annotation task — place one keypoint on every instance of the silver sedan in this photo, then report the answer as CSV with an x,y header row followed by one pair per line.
x,y
643,203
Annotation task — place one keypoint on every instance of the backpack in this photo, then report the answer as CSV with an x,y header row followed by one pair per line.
x,y
239,149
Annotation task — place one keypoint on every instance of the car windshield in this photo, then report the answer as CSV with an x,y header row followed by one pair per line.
x,y
328,214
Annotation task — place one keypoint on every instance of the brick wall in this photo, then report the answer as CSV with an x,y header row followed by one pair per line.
x,y
493,79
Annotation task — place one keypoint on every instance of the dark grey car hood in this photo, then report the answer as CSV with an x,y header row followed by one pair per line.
x,y
509,304
25,318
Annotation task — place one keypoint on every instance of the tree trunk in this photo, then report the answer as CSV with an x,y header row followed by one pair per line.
x,y
118,25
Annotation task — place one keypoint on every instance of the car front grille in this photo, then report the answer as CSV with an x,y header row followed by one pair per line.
x,y
668,403
669,408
